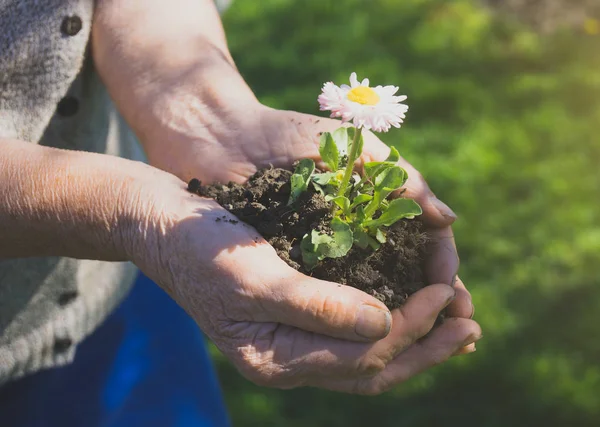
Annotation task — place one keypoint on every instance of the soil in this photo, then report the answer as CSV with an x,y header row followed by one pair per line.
x,y
390,274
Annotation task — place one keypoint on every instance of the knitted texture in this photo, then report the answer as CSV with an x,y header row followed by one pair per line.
x,y
48,305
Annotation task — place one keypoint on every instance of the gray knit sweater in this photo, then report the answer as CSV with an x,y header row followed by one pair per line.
x,y
51,95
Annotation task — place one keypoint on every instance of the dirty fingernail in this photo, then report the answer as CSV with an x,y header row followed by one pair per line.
x,y
372,322
466,350
472,339
443,209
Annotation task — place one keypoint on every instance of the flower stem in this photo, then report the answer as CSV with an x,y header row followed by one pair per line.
x,y
350,166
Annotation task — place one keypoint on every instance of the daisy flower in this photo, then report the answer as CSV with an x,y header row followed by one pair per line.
x,y
372,108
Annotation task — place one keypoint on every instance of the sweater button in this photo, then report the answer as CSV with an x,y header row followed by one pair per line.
x,y
67,297
62,344
71,25
68,106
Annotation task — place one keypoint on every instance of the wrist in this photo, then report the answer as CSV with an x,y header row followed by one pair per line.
x,y
179,121
70,203
107,205
147,203
185,133
161,225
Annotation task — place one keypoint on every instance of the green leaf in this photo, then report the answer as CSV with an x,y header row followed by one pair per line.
x,y
320,239
323,178
301,178
380,236
390,179
316,246
342,202
366,187
387,181
363,240
372,169
342,240
360,214
310,258
398,209
374,244
394,156
340,137
329,151
360,199
318,188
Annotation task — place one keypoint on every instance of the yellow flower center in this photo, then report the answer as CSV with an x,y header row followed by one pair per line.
x,y
363,95
339,175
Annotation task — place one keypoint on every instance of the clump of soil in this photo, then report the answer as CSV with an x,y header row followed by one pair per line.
x,y
390,274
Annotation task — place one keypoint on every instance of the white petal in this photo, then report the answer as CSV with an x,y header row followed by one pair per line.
x,y
388,112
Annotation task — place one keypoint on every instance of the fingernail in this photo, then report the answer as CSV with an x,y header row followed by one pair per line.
x,y
451,297
471,348
472,339
454,280
443,209
468,349
372,322
472,311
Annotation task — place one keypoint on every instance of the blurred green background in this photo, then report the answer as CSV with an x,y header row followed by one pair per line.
x,y
503,122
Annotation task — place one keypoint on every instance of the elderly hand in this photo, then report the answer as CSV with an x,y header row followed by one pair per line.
x,y
244,140
279,327
168,69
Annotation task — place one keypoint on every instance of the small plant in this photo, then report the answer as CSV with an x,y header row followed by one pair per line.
x,y
361,211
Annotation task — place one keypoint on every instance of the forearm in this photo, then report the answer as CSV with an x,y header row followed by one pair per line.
x,y
167,66
66,203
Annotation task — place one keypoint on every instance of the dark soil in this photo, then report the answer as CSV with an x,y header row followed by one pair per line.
x,y
390,274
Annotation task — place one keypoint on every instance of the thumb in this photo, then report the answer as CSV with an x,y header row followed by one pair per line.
x,y
326,308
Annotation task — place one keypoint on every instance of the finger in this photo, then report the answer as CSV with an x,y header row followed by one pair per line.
x,y
414,319
442,260
462,306
466,350
443,342
309,356
410,322
439,346
277,355
323,307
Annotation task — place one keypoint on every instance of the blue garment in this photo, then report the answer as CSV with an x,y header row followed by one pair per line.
x,y
146,366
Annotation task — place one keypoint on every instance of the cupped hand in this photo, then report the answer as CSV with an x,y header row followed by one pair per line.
x,y
279,327
239,142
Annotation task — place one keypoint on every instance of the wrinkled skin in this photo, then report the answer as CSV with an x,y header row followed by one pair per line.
x,y
167,68
279,327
